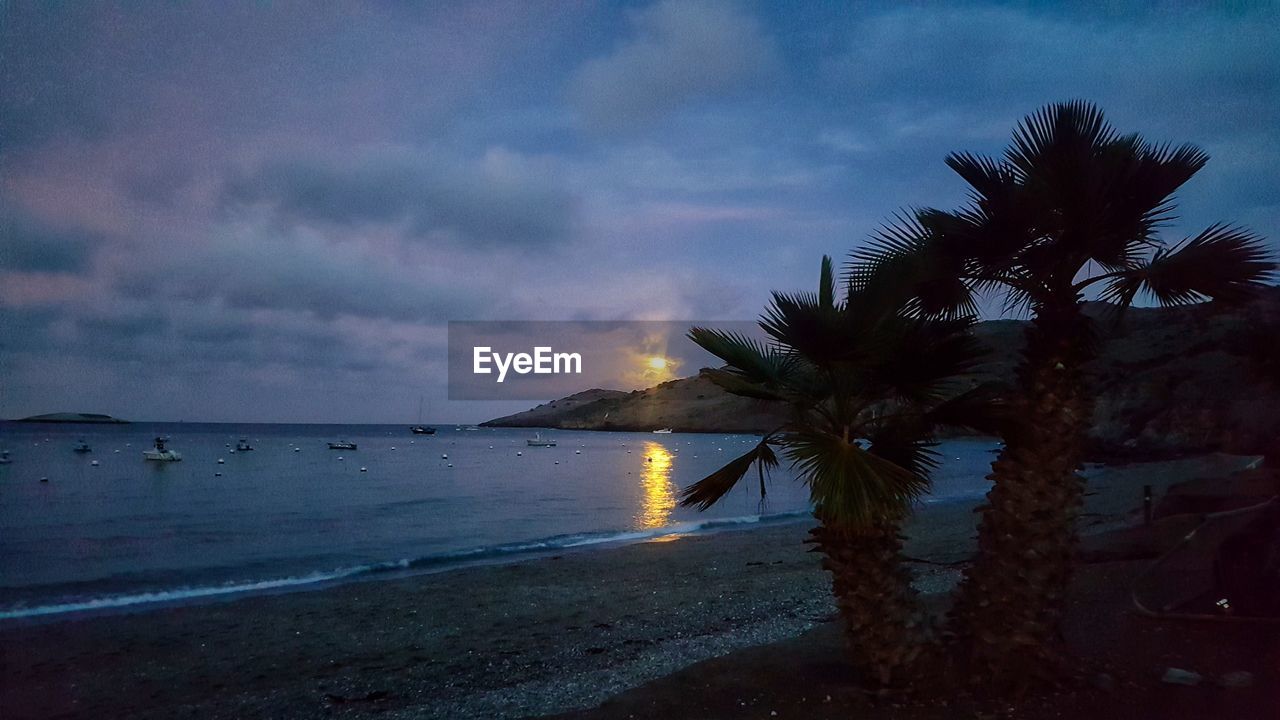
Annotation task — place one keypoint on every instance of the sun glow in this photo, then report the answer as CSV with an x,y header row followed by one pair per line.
x,y
658,363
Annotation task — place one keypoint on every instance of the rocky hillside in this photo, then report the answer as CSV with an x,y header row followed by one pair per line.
x,y
1167,380
688,405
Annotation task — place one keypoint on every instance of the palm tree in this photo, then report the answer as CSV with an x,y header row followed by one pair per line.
x,y
866,385
1071,206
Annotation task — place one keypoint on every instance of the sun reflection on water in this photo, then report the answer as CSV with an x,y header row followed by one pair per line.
x,y
659,497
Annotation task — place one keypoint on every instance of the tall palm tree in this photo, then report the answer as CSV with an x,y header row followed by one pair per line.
x,y
1071,206
866,385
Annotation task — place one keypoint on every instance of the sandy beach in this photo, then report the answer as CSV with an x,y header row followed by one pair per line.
x,y
523,639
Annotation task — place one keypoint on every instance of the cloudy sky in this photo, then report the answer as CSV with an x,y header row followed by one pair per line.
x,y
268,211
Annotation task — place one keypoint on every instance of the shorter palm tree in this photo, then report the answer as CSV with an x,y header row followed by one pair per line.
x,y
867,384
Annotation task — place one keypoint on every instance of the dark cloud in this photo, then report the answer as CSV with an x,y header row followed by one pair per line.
x,y
28,245
258,269
485,203
158,185
974,70
25,329
183,334
50,87
679,51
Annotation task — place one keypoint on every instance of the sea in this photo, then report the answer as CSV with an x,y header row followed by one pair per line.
x,y
106,531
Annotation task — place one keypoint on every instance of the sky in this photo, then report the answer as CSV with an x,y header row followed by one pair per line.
x,y
269,211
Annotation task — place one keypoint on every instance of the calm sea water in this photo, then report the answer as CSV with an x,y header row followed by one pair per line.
x,y
293,514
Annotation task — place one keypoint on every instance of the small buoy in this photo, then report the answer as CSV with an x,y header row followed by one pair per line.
x,y
116,452
94,463
577,452
217,474
557,462
450,464
364,469
339,457
649,459
410,442
393,447
221,461
490,447
44,479
518,453
444,456
297,449
233,452
628,452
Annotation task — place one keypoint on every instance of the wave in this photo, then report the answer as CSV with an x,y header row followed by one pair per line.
x,y
437,561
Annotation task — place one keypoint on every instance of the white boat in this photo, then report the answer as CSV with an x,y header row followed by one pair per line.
x,y
663,431
537,441
342,445
160,454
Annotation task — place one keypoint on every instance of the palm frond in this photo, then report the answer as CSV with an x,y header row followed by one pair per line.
x,y
736,384
1056,137
1132,184
754,362
907,445
922,359
1223,262
987,176
827,284
907,263
849,485
708,491
799,322
983,409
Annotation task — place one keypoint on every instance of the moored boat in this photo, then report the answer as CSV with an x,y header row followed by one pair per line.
x,y
342,445
82,447
421,429
663,431
537,441
160,453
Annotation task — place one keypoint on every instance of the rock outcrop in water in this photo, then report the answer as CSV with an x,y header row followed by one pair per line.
x,y
74,418
1167,381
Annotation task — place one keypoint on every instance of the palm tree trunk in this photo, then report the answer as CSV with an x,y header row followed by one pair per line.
x,y
872,588
1006,621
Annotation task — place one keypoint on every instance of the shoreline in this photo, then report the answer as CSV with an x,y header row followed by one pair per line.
x,y
516,639
144,601
152,599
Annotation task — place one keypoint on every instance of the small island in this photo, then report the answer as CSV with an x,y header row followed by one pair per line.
x,y
66,417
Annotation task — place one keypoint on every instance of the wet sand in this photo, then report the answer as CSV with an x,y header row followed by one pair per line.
x,y
529,638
